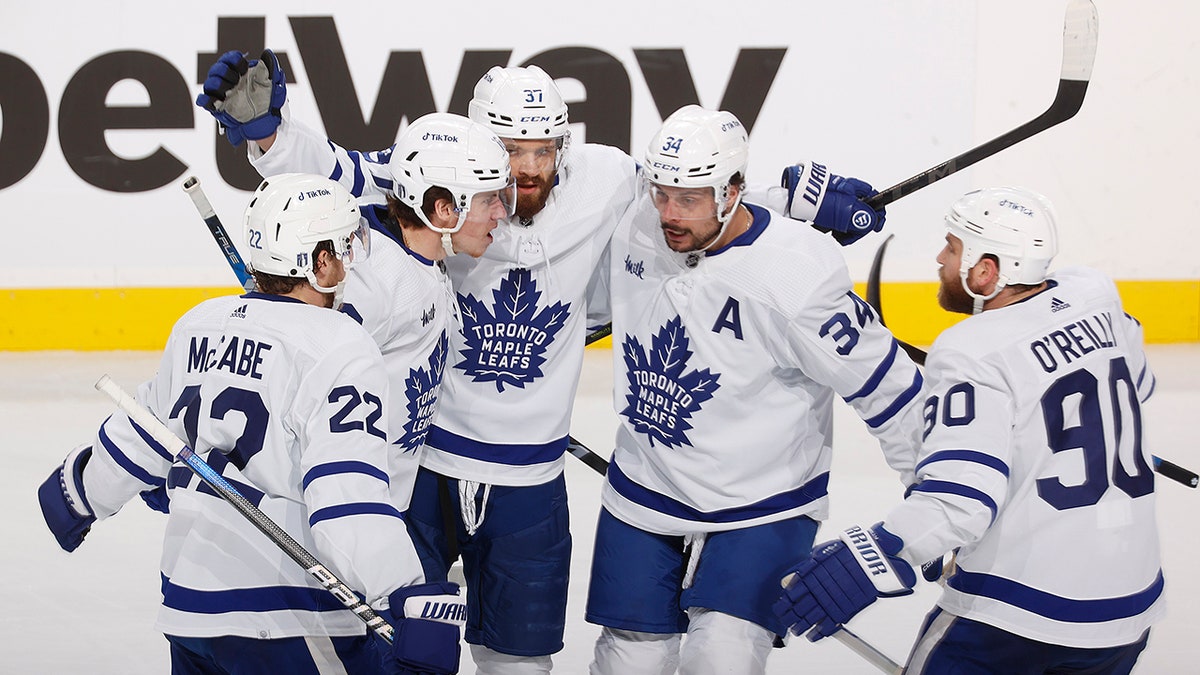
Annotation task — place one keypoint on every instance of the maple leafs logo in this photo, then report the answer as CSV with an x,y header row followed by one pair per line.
x,y
508,345
421,390
662,397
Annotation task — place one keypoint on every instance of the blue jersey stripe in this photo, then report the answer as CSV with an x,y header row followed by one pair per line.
x,y
356,509
496,453
946,487
901,401
261,599
333,468
124,462
784,501
964,456
1055,607
877,376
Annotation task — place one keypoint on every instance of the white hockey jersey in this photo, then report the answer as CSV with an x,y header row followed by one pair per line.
x,y
1033,463
286,401
506,400
726,366
405,302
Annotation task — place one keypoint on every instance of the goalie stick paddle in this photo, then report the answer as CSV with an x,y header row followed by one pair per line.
x,y
1166,469
1080,32
182,453
192,187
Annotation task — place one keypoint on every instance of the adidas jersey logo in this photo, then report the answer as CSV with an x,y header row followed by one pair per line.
x,y
1057,305
239,313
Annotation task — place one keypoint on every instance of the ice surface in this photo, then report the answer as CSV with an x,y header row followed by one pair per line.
x,y
93,611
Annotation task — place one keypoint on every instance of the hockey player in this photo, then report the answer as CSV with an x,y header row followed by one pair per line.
x,y
497,444
733,330
1031,466
285,399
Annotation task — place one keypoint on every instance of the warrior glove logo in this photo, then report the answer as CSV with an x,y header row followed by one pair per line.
x,y
507,343
662,396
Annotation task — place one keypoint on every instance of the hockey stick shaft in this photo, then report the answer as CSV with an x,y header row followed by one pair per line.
x,y
1080,31
867,652
180,450
192,187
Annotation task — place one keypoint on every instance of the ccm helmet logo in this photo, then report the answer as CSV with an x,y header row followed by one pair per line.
x,y
665,167
535,118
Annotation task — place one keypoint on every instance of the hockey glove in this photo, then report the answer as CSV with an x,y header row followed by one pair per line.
x,y
428,621
841,579
64,504
245,97
831,203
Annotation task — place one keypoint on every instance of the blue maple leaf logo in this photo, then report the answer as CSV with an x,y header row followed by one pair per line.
x,y
662,396
421,390
507,343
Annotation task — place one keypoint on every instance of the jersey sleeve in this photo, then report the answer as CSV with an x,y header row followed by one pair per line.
x,y
838,341
300,149
346,466
126,460
964,464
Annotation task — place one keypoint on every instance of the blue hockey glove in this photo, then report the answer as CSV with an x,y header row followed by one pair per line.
x,y
428,621
245,97
157,499
64,504
832,203
841,579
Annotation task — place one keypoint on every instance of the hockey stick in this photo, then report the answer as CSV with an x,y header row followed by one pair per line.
x,y
869,653
192,187
1167,469
1080,31
182,453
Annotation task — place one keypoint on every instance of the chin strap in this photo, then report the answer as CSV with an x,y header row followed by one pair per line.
x,y
977,305
447,244
337,289
737,202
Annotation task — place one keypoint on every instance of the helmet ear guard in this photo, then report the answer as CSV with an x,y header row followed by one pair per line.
x,y
1015,225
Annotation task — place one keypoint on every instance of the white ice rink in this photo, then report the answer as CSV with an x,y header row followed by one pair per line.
x,y
93,611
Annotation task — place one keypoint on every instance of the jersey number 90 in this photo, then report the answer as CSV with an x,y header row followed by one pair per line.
x,y
1072,411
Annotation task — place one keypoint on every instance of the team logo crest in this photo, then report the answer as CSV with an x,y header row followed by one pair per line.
x,y
663,393
507,343
421,390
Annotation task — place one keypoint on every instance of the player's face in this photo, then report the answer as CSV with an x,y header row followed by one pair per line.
x,y
487,209
951,294
688,216
532,163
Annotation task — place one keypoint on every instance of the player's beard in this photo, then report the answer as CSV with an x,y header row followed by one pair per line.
x,y
953,297
689,238
531,204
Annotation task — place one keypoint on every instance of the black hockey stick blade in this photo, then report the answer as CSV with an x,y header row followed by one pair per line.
x,y
1081,28
598,334
873,297
876,301
584,453
1175,472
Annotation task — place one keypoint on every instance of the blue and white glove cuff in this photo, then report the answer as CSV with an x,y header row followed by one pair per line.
x,y
70,479
875,550
806,183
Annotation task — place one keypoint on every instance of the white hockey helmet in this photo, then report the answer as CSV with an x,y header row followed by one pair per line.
x,y
1014,224
520,103
290,214
697,148
452,152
